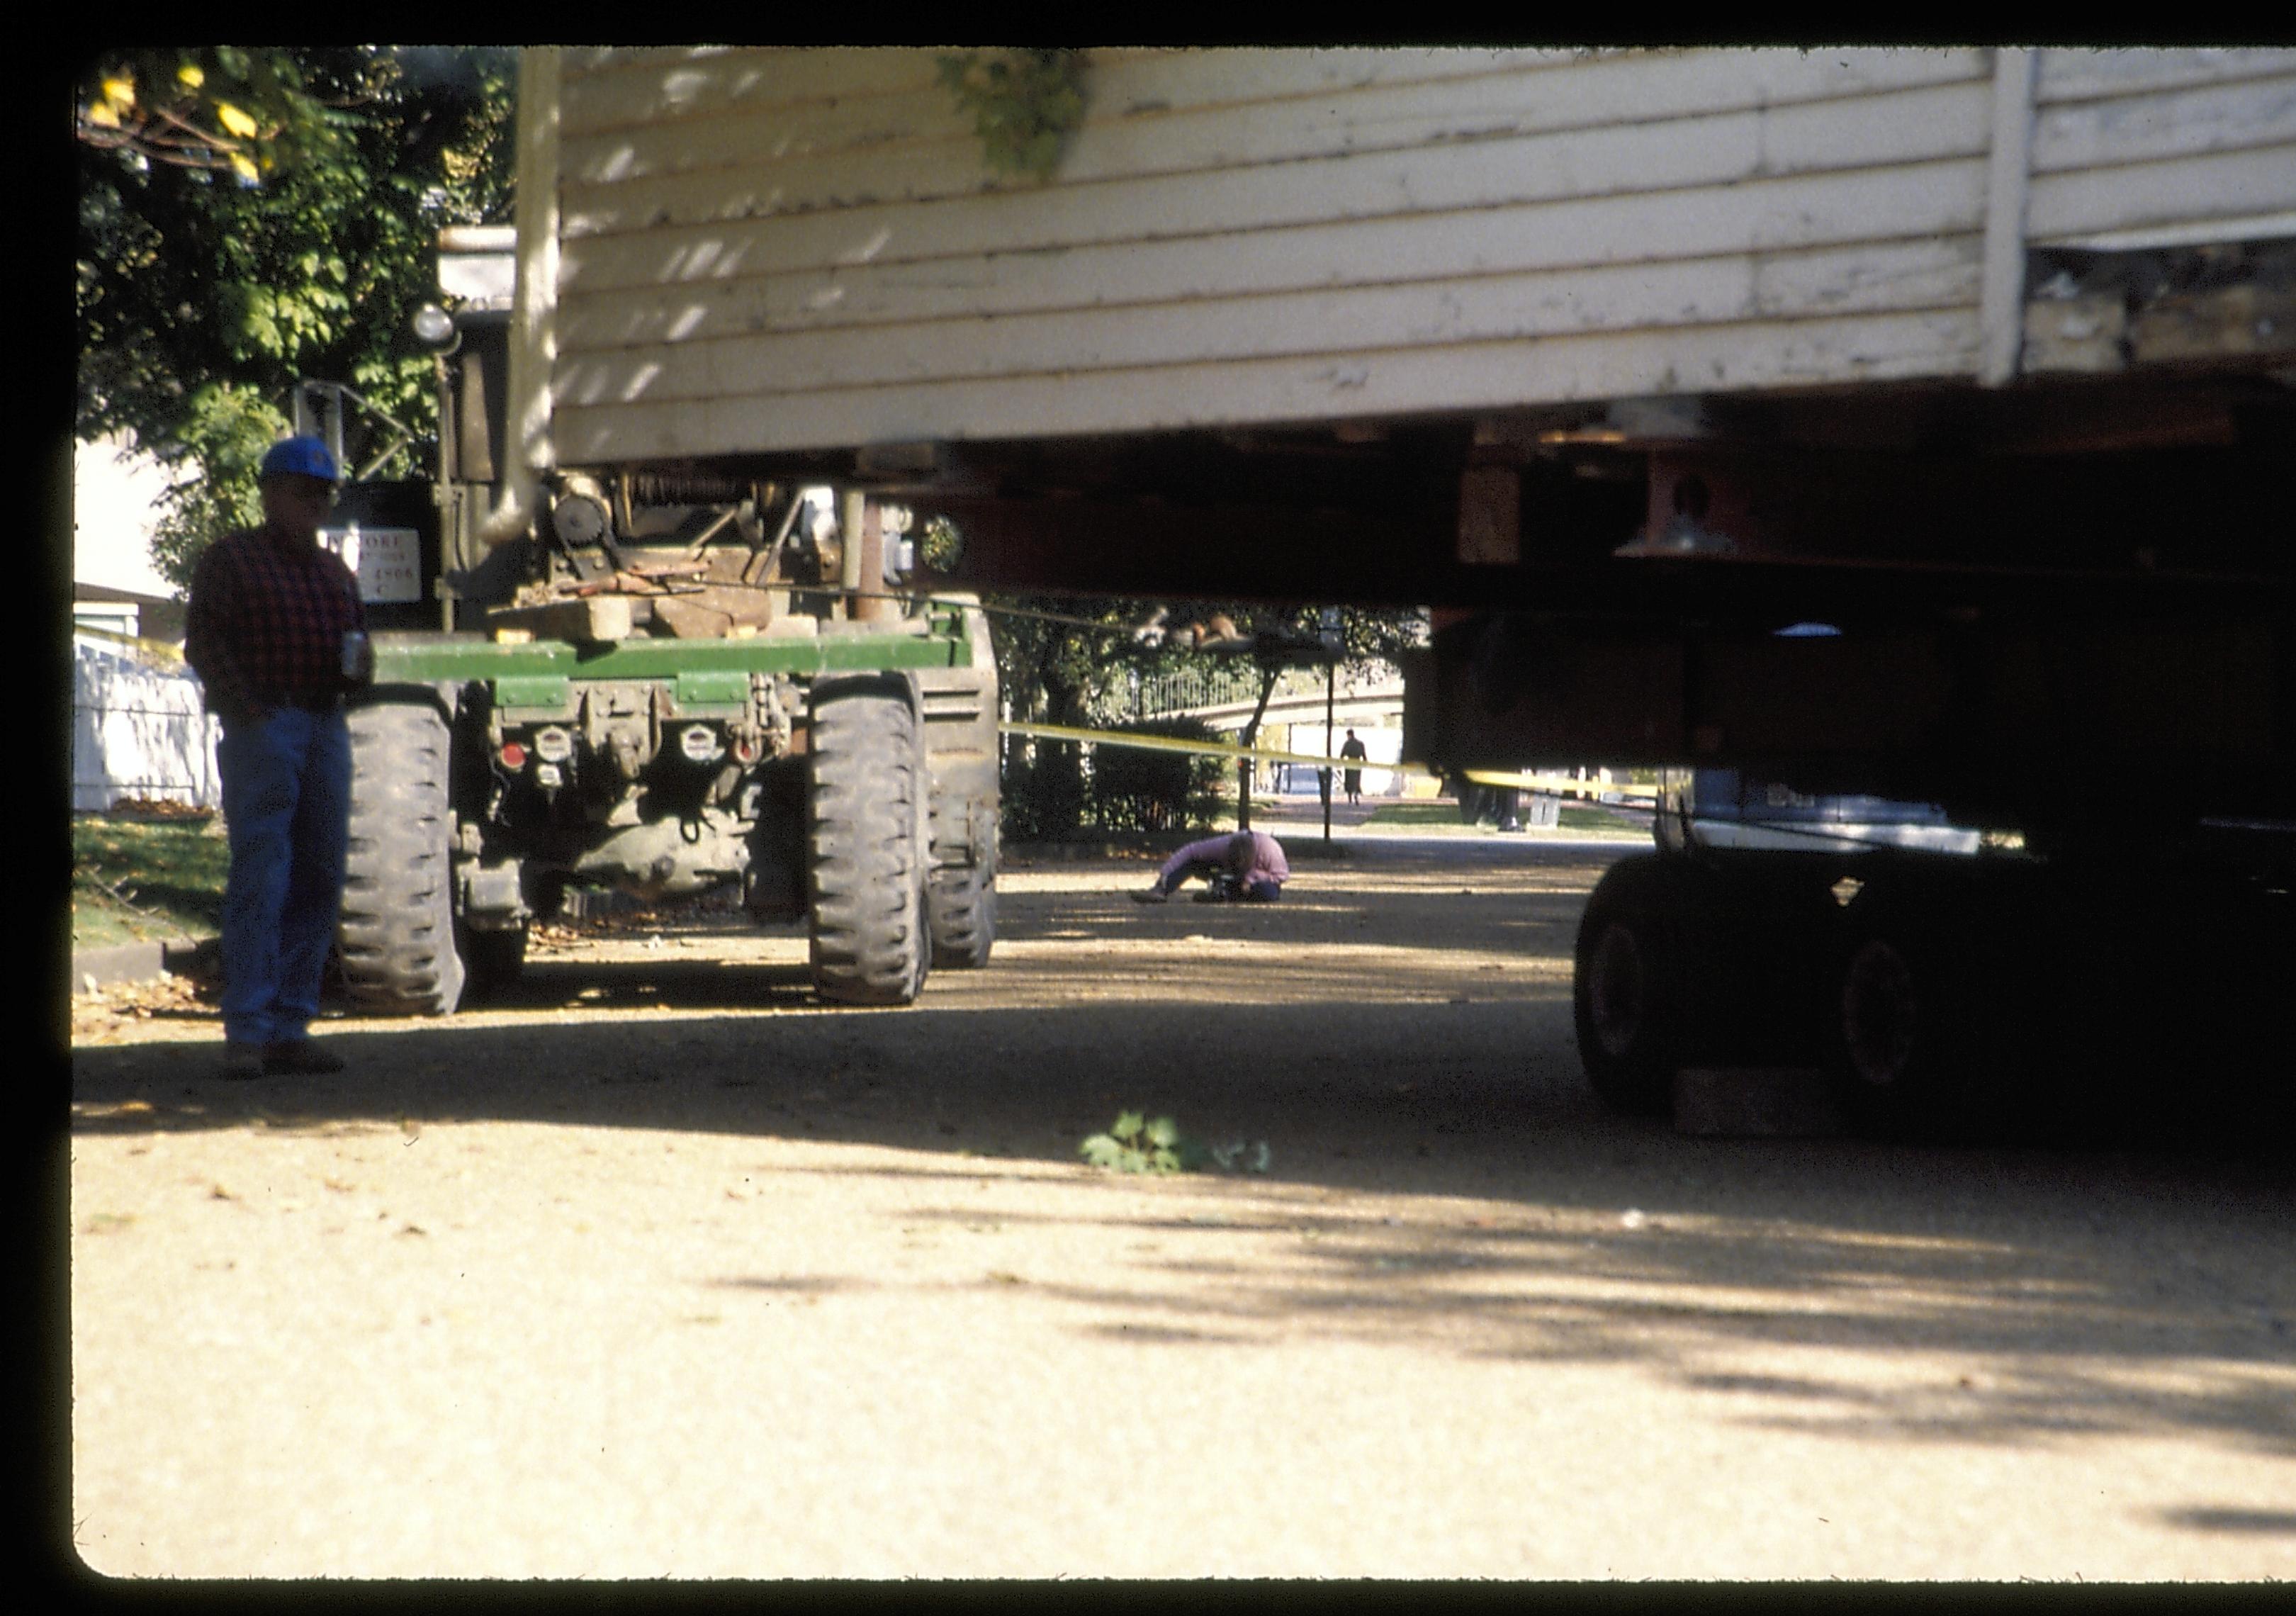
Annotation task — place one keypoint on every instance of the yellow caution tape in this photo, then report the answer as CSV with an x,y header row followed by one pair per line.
x,y
1216,749
1559,782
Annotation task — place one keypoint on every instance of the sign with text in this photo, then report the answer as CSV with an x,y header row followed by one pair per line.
x,y
388,561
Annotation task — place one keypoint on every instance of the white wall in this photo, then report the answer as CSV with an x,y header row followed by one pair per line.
x,y
795,248
115,492
138,730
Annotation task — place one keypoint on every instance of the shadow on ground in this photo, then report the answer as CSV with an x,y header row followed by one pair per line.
x,y
1439,1179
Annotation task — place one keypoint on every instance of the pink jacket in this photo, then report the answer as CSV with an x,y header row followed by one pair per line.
x,y
1254,855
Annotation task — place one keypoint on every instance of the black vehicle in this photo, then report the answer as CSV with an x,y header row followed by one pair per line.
x,y
1944,976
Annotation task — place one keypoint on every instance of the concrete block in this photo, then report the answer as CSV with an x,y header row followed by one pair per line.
x,y
1754,1102
595,903
92,968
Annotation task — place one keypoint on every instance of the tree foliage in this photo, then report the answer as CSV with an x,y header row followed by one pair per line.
x,y
1079,661
221,110
247,218
1025,104
1145,789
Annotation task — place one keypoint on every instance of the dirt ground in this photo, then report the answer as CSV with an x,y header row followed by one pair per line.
x,y
659,1268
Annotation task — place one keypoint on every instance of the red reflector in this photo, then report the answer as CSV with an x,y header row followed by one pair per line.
x,y
513,755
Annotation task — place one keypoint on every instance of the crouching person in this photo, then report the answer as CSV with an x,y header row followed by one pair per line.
x,y
1244,867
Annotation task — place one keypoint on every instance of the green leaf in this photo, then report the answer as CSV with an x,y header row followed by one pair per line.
x,y
1163,1131
183,280
1024,105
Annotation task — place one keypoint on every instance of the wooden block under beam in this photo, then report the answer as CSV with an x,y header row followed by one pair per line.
x,y
603,616
689,619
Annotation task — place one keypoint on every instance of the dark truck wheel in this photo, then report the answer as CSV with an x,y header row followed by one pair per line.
x,y
866,844
396,936
961,912
961,747
1928,1035
1628,988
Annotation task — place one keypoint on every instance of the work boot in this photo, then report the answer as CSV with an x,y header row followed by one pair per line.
x,y
241,1062
299,1057
1153,895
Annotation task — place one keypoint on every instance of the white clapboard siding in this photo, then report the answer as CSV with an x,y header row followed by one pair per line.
x,y
648,89
1122,286
1921,272
1699,151
2135,140
913,146
2225,185
2097,134
1921,275
1770,214
2069,74
797,248
652,89
1468,376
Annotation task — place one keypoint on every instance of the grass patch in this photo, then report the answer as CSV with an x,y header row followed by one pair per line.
x,y
1439,814
1597,818
136,880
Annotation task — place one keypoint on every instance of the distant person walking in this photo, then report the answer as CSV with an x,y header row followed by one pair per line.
x,y
277,633
1244,867
1352,781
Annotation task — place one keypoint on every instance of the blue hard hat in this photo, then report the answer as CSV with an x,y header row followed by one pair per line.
x,y
298,457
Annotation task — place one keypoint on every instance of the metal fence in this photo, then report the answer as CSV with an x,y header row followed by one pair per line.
x,y
1187,689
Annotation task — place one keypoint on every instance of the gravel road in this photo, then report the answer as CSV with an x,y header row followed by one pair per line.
x,y
658,1268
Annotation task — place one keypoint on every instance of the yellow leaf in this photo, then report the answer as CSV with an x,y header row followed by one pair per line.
x,y
238,122
241,167
190,73
102,116
122,91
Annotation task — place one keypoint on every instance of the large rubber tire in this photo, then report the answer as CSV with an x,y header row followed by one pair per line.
x,y
396,936
961,750
866,844
1629,986
961,911
1930,1028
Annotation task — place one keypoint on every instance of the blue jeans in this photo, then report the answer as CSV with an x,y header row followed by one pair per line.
x,y
286,806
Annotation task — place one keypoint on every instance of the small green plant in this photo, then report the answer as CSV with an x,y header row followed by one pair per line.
x,y
1024,105
1138,1143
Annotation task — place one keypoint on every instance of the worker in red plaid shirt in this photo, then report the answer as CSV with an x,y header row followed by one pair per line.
x,y
277,635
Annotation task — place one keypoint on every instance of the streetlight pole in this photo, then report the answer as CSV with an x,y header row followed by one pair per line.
x,y
1331,638
1324,776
